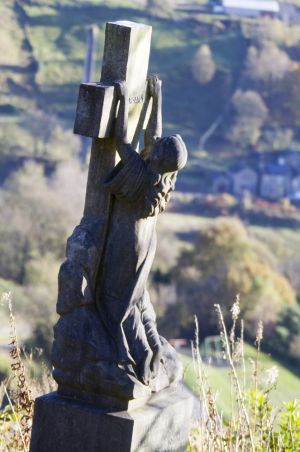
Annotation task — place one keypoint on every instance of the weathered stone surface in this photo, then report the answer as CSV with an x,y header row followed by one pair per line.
x,y
107,353
106,344
95,112
65,425
86,359
126,56
106,341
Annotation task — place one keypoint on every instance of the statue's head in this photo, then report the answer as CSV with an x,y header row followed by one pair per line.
x,y
168,154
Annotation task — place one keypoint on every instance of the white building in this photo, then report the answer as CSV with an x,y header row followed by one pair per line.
x,y
248,8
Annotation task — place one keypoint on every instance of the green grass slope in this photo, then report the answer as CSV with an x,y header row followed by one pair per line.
x,y
288,384
46,42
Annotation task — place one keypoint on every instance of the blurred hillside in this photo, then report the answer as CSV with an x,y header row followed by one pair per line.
x,y
42,57
231,89
230,83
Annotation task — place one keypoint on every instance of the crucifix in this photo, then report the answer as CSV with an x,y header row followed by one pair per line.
x,y
110,254
103,282
107,350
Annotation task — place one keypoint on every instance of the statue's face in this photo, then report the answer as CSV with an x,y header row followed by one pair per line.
x,y
157,156
157,153
166,153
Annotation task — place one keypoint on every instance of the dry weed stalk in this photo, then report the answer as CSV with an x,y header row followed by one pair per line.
x,y
240,394
23,410
255,425
211,422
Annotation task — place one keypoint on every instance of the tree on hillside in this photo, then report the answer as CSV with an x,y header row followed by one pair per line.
x,y
37,215
276,139
286,337
203,66
265,29
267,63
249,115
224,262
249,104
287,95
160,8
50,140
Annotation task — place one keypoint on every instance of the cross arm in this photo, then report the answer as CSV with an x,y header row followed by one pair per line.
x,y
95,111
126,55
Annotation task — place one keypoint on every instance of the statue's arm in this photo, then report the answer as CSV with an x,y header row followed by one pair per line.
x,y
154,126
124,148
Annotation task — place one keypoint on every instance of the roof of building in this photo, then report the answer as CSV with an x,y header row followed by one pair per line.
x,y
271,6
276,170
239,167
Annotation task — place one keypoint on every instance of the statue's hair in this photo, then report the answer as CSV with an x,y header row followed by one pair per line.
x,y
158,196
175,152
174,158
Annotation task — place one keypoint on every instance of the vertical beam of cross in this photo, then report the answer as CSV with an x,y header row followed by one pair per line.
x,y
126,57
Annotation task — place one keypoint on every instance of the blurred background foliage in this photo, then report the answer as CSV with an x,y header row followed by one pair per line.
x,y
218,73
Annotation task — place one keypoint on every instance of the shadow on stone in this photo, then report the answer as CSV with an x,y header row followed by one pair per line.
x,y
66,425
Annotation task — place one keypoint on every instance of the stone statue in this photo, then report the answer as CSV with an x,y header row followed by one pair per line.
x,y
117,377
141,186
107,342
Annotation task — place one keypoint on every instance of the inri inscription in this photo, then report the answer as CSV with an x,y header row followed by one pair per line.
x,y
137,99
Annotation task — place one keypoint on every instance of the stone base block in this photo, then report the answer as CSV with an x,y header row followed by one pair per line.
x,y
65,425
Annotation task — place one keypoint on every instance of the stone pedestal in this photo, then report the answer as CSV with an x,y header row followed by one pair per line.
x,y
65,425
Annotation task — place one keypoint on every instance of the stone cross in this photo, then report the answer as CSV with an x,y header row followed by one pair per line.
x,y
108,356
126,58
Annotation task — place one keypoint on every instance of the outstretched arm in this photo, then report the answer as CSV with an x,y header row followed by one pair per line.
x,y
124,148
154,126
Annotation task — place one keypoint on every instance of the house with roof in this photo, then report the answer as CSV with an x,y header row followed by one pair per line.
x,y
275,182
290,158
237,180
247,8
272,175
244,179
220,182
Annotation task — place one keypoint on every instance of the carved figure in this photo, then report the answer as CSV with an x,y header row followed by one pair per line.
x,y
106,341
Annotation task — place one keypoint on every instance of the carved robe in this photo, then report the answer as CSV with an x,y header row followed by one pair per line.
x,y
103,338
121,296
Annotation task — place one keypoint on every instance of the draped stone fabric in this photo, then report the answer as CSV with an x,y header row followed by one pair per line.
x,y
105,336
128,257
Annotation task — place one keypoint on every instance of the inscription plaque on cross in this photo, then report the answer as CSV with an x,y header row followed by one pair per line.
x,y
125,58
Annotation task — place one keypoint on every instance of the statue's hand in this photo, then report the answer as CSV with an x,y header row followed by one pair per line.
x,y
121,89
145,368
154,86
156,360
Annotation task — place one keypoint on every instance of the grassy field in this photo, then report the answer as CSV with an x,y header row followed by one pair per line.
x,y
182,228
283,242
288,385
44,64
